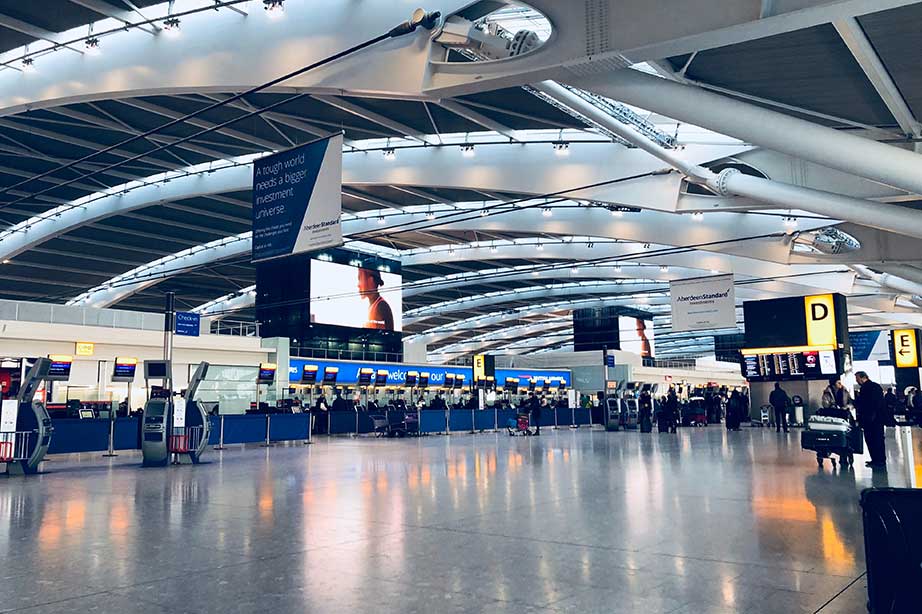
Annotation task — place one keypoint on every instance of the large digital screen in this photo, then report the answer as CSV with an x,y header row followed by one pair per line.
x,y
636,336
355,296
124,369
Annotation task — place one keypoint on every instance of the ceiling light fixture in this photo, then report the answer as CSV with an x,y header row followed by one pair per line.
x,y
493,249
467,150
790,222
547,212
28,65
171,26
92,45
274,8
390,154
561,148
663,268
617,213
430,215
697,216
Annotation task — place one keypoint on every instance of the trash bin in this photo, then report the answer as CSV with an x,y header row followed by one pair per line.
x,y
798,403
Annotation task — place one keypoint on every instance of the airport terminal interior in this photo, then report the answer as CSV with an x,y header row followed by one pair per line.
x,y
460,306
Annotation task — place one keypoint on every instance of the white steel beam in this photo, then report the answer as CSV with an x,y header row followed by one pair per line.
x,y
877,161
376,118
468,113
856,40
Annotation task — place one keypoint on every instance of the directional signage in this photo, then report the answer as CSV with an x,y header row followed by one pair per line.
x,y
188,323
905,348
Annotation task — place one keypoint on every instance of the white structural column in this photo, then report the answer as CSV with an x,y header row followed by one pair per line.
x,y
846,152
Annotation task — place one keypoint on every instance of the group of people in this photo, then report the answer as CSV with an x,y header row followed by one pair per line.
x,y
873,409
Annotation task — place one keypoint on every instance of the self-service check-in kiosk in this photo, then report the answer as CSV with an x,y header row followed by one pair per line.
x,y
25,426
171,426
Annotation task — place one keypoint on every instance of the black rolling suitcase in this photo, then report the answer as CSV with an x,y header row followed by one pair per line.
x,y
893,549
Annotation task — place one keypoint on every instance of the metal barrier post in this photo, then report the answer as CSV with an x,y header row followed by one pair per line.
x,y
111,451
495,418
310,428
356,421
267,444
329,424
909,461
473,421
220,445
573,424
556,425
448,422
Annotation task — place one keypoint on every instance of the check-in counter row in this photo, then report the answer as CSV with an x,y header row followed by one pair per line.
x,y
73,436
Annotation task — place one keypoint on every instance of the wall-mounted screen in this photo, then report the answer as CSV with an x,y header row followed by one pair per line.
x,y
124,369
157,369
381,377
309,374
355,296
59,369
330,374
266,373
636,336
410,380
365,376
808,365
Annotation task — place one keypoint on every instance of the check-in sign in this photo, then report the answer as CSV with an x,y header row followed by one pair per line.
x,y
905,348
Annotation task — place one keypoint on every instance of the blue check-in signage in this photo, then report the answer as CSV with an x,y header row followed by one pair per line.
x,y
187,323
397,374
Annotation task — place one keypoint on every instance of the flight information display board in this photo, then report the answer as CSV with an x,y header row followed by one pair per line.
x,y
791,365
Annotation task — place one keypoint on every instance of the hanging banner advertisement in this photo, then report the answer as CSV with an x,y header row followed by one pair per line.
x,y
297,199
703,303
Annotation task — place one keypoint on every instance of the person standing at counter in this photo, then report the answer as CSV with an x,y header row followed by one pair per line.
x,y
871,418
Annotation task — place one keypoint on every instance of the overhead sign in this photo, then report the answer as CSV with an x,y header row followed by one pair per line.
x,y
870,345
188,323
484,366
703,303
84,348
297,199
821,320
905,348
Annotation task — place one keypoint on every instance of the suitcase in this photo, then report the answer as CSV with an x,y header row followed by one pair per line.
x,y
893,549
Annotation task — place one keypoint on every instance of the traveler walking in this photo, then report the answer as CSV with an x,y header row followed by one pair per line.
x,y
780,401
871,417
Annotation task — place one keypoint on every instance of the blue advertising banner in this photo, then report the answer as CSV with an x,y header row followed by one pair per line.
x,y
297,199
187,323
397,374
870,345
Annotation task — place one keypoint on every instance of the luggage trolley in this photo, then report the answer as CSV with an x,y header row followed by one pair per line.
x,y
25,426
827,435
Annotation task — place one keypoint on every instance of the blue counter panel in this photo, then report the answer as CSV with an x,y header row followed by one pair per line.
x,y
564,416
484,420
244,429
127,433
341,422
74,435
366,424
432,421
503,416
214,435
288,427
461,420
582,416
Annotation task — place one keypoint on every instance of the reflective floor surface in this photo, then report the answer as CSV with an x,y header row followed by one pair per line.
x,y
574,521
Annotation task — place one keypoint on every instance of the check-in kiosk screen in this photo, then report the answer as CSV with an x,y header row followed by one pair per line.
x,y
365,376
459,381
329,375
512,385
423,380
355,296
410,381
381,378
561,385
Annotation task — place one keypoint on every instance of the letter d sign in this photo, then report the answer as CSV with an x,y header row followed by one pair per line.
x,y
821,320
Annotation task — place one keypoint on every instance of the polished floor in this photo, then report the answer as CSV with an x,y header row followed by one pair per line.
x,y
574,521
